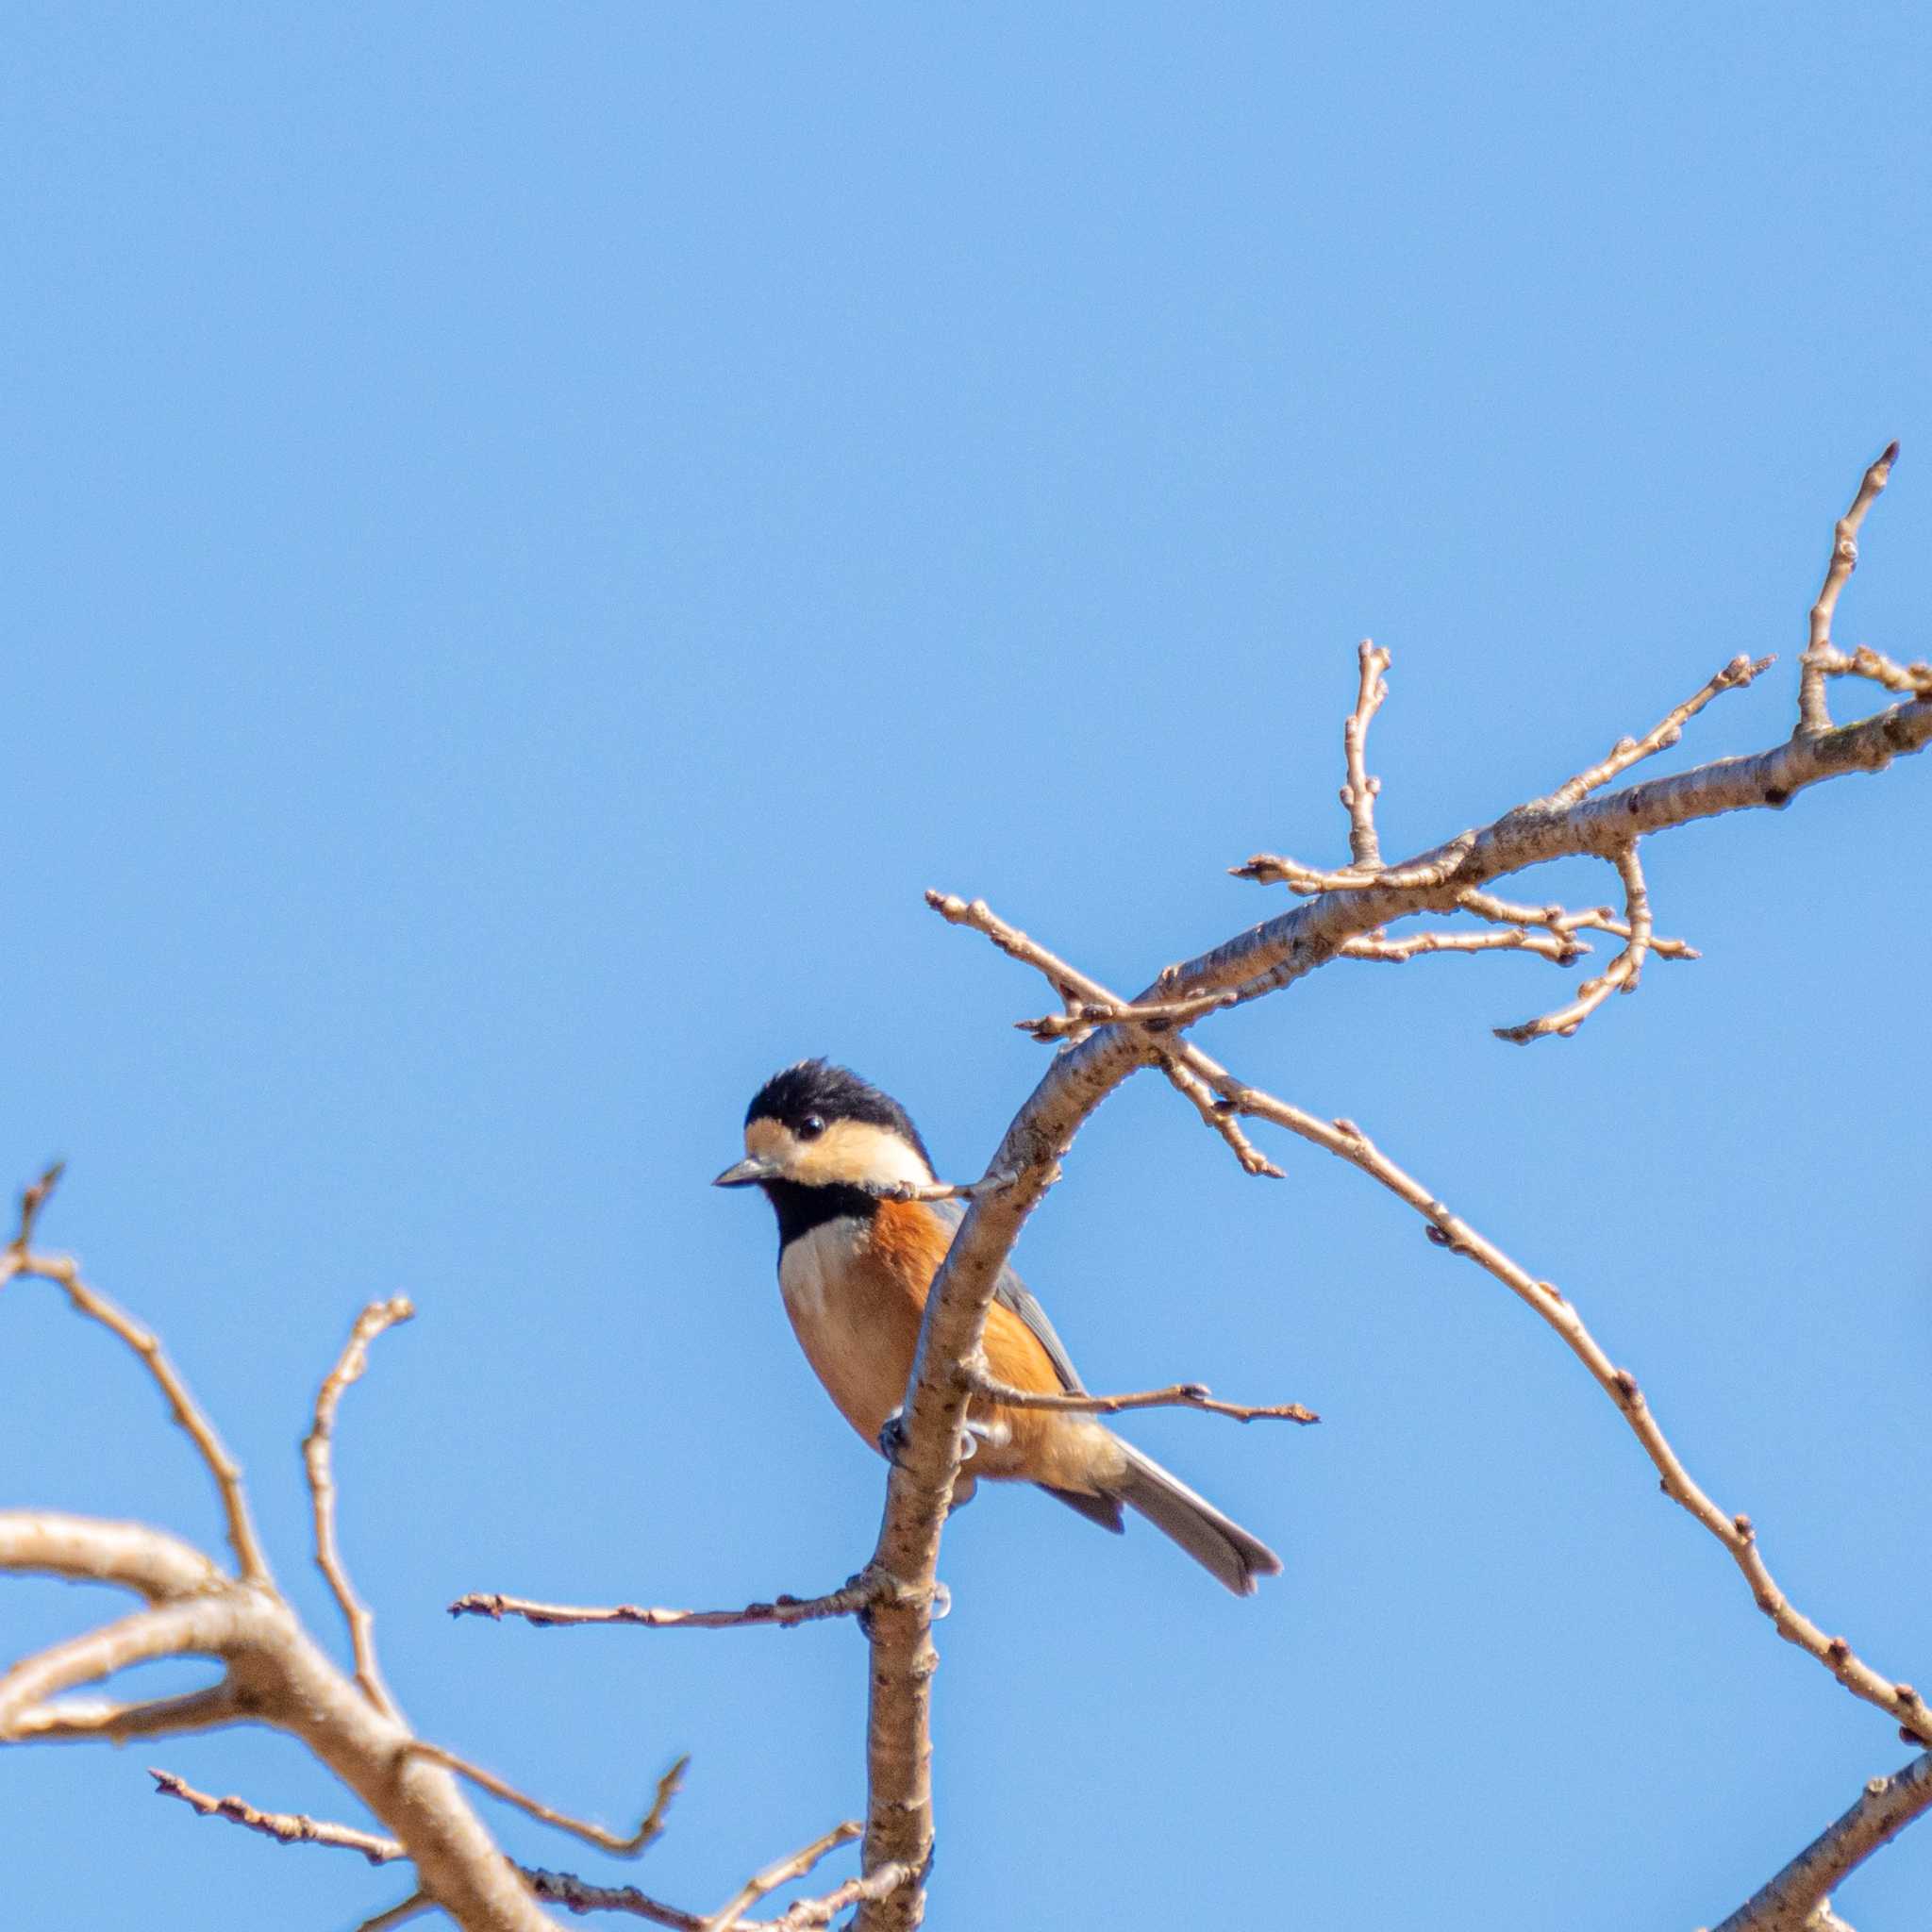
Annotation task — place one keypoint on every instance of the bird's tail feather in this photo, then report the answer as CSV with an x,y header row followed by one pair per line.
x,y
1215,1541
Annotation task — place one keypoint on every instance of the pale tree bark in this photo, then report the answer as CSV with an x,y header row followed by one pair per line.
x,y
274,1674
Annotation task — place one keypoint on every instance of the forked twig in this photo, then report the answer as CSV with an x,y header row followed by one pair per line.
x,y
772,1876
1814,711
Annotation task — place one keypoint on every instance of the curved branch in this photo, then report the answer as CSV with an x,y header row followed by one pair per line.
x,y
318,1459
85,1550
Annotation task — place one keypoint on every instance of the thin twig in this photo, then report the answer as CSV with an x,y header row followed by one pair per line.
x,y
772,1876
1217,1117
1358,791
1814,712
1562,923
598,1835
1736,1533
399,1914
1378,946
1082,1016
286,1827
937,1190
1177,1395
1913,680
316,1457
64,1273
785,1612
811,1913
556,1888
1619,975
1626,752
1076,986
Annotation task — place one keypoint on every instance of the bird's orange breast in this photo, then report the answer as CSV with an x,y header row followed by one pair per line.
x,y
855,1290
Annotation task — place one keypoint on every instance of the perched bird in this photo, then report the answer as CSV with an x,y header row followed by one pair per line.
x,y
855,1268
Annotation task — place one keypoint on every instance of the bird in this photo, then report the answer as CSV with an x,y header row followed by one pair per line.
x,y
835,1158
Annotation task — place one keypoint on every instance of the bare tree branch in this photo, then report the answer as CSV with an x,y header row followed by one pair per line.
x,y
1378,946
772,1876
316,1456
1662,736
1179,1395
848,1600
1619,975
285,1827
624,1845
62,1270
1269,956
1797,1900
1814,713
1359,790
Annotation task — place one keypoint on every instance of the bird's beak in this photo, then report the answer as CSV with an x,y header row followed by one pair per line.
x,y
748,1172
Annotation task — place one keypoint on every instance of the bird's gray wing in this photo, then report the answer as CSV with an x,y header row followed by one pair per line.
x,y
1013,1293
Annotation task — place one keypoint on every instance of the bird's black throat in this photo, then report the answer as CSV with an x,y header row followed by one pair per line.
x,y
801,1209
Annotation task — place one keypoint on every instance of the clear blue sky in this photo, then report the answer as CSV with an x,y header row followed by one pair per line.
x,y
533,536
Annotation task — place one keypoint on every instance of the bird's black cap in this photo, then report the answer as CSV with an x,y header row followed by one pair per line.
x,y
834,1093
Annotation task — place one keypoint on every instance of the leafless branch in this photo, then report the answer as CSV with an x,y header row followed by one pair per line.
x,y
785,1612
772,1876
1619,975
1347,1141
1359,790
1563,924
1797,1900
285,1827
1914,680
103,1719
624,1845
1179,1395
557,1887
1267,957
399,1914
64,1274
1814,713
1378,946
316,1456
1662,736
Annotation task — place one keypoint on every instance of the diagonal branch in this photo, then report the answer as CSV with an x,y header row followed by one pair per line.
x,y
1662,736
624,1845
285,1827
317,1457
1347,1140
64,1273
772,1876
1790,1903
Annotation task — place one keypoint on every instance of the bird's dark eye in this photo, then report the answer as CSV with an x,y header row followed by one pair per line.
x,y
810,1128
